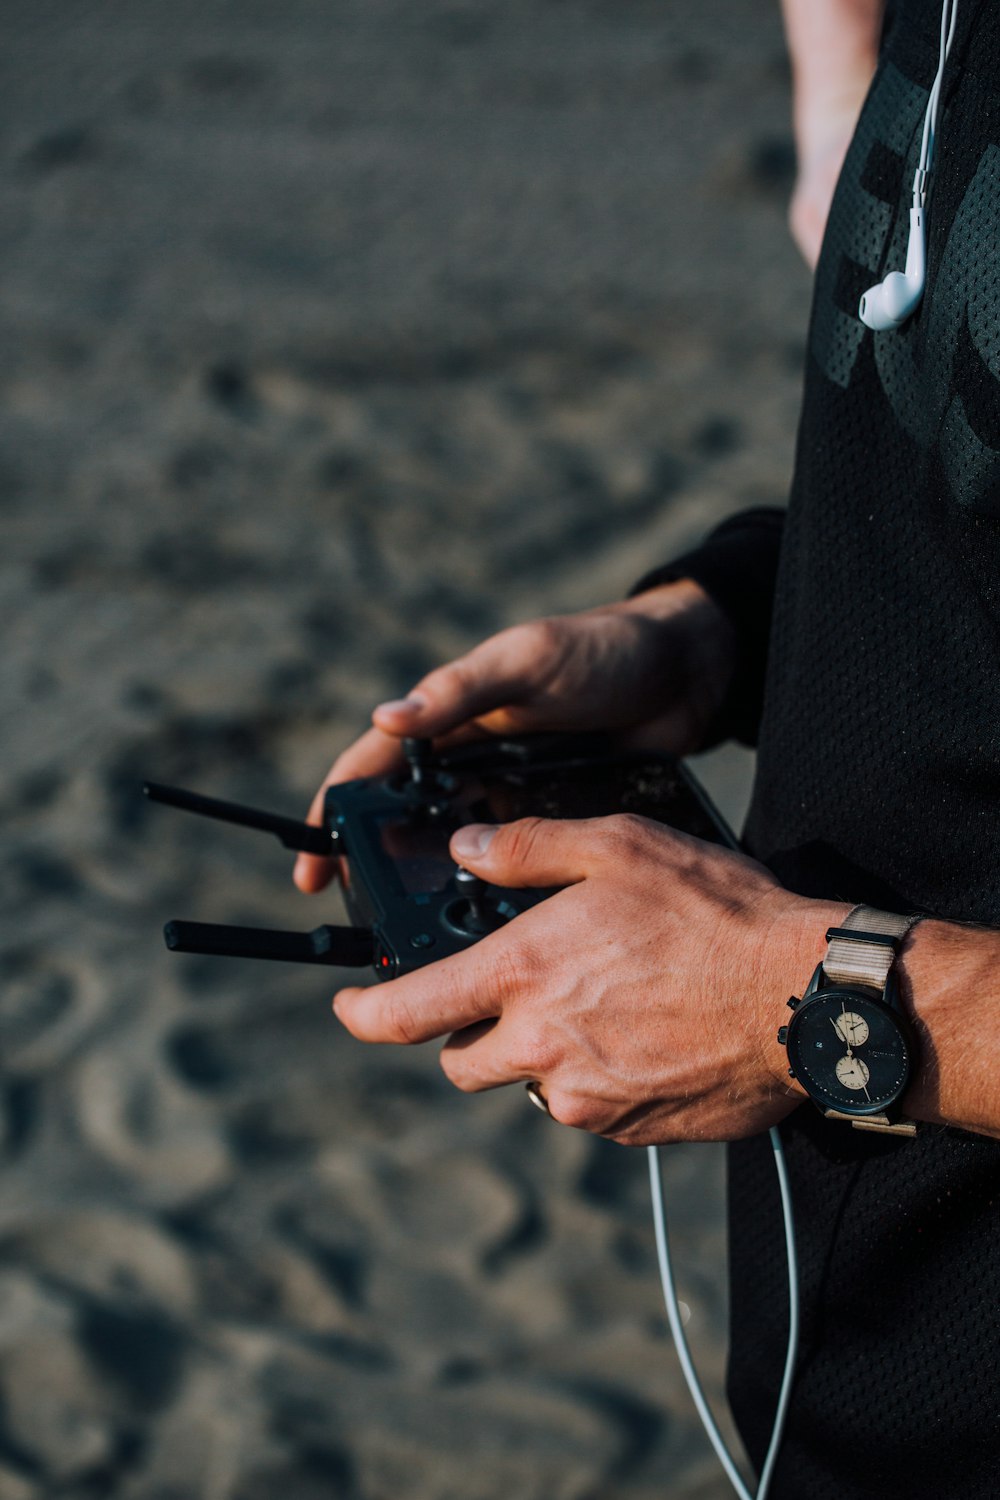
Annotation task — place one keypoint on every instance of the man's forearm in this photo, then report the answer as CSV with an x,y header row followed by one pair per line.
x,y
736,565
833,46
950,978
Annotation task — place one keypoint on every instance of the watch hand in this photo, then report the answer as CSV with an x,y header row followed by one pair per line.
x,y
843,1038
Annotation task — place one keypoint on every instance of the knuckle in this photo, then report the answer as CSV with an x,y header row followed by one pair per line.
x,y
401,1023
522,839
626,836
505,974
466,677
453,680
448,686
571,1110
543,638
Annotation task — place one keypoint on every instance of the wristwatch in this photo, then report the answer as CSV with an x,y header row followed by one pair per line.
x,y
848,1042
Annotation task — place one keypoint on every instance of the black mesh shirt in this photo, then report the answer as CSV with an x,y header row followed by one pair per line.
x,y
877,711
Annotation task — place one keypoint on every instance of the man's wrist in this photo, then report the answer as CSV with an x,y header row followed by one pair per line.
x,y
947,979
664,601
793,945
703,632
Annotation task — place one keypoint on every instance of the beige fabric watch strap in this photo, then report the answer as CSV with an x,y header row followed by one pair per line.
x,y
850,961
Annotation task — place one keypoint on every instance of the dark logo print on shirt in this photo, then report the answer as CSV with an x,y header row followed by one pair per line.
x,y
941,371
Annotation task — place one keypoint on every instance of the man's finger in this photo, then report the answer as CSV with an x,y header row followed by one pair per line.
x,y
476,1059
480,1058
548,851
374,754
443,997
499,672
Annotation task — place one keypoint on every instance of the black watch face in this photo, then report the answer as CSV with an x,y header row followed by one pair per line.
x,y
850,1051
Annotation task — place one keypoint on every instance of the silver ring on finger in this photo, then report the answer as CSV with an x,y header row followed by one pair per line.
x,y
534,1093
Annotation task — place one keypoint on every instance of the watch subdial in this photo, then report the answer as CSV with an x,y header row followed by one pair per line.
x,y
852,1028
852,1072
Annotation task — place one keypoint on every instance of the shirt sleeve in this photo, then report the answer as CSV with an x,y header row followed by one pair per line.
x,y
737,566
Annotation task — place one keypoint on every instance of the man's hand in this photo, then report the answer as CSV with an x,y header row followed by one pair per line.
x,y
644,997
654,668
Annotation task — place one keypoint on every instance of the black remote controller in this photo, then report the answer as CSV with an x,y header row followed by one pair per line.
x,y
410,902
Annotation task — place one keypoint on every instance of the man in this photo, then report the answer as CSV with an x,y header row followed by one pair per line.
x,y
857,642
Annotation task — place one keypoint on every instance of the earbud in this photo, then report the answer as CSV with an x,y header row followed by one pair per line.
x,y
889,304
895,299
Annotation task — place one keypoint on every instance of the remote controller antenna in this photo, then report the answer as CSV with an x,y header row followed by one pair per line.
x,y
342,947
293,835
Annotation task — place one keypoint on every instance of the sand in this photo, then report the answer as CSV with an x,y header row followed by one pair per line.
x,y
335,337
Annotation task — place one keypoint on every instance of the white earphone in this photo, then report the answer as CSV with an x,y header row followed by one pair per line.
x,y
889,304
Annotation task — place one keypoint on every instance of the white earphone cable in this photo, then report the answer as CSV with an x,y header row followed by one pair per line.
x,y
680,1339
887,305
949,16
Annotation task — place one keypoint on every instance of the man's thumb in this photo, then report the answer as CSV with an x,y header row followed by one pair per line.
x,y
532,851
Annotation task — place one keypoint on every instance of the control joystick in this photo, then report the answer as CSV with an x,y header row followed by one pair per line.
x,y
418,754
428,788
475,912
